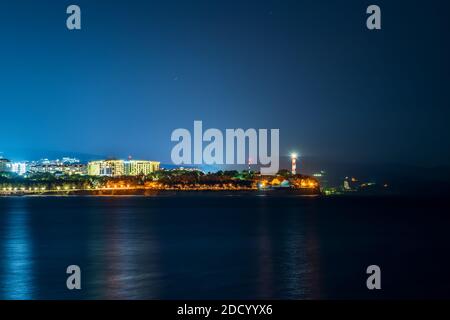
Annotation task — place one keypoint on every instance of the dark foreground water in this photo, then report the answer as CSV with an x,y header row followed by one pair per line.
x,y
221,246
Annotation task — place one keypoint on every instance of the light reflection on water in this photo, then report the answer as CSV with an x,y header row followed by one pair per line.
x,y
302,262
154,248
216,247
297,274
118,249
16,280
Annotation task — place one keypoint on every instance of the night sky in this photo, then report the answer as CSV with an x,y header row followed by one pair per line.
x,y
140,69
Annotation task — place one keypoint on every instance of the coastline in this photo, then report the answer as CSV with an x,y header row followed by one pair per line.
x,y
155,192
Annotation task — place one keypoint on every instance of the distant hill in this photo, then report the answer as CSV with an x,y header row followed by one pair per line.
x,y
31,154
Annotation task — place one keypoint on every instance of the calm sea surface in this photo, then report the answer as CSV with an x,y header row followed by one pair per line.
x,y
222,245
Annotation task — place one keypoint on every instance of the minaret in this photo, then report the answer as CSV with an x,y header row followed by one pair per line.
x,y
294,163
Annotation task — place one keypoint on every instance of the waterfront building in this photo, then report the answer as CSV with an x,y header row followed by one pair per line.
x,y
116,168
94,168
110,168
140,167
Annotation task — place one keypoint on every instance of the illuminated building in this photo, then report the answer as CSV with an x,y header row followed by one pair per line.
x,y
68,166
346,185
94,168
64,160
350,184
70,160
140,167
110,168
116,168
57,168
19,167
5,165
322,178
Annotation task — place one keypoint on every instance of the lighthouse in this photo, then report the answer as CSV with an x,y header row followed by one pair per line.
x,y
294,163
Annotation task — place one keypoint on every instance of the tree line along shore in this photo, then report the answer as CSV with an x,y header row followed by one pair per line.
x,y
189,180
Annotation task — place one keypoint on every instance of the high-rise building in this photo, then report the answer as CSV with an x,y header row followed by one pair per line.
x,y
94,168
111,168
140,167
115,168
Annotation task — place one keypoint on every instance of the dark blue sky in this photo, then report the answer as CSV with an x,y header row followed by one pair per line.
x,y
139,69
